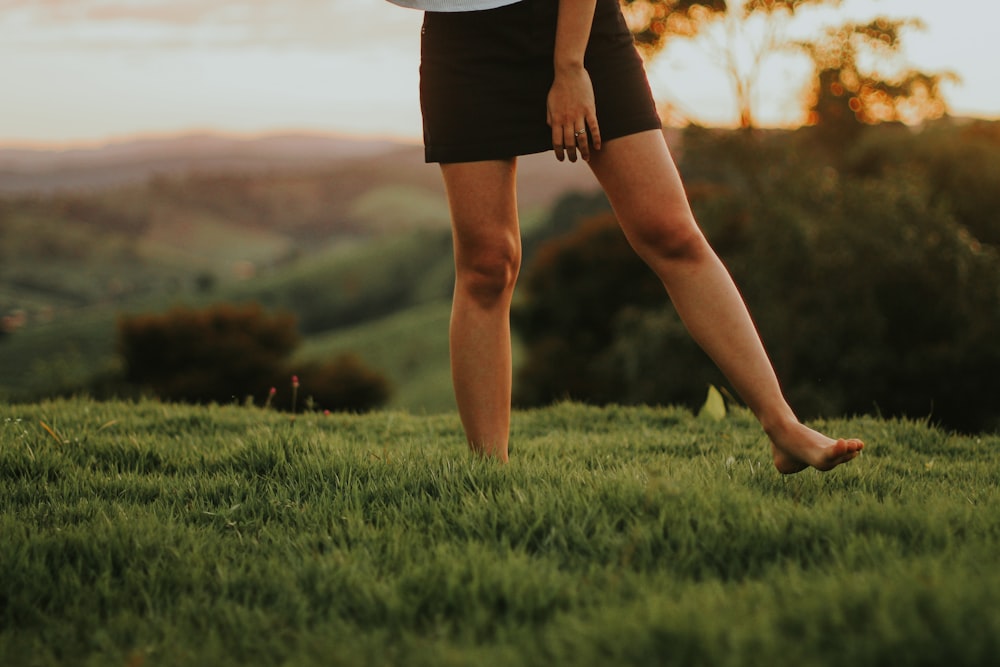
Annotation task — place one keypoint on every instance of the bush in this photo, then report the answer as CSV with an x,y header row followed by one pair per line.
x,y
227,352
210,355
345,384
565,314
895,307
958,165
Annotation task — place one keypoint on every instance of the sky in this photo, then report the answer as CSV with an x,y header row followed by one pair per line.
x,y
84,72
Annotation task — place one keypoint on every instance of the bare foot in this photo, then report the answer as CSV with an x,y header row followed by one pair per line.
x,y
796,447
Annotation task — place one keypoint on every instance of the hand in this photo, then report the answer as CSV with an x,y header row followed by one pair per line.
x,y
572,113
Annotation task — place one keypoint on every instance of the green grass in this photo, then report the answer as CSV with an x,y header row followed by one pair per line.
x,y
146,534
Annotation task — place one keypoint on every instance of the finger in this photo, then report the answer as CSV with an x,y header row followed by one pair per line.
x,y
583,143
595,132
557,144
569,139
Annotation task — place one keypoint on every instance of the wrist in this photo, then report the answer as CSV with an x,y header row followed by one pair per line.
x,y
568,65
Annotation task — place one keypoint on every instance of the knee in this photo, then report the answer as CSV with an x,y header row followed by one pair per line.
x,y
671,239
488,274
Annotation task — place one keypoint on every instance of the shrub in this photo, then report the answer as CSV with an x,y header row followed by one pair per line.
x,y
345,384
565,314
959,165
202,356
228,352
895,307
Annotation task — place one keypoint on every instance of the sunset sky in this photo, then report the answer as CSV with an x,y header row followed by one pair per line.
x,y
86,71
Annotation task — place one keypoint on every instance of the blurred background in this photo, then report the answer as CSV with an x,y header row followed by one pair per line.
x,y
199,201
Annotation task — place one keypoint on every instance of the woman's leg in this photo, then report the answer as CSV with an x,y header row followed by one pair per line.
x,y
487,246
641,181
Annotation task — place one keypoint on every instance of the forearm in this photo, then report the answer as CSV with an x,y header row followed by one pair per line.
x,y
573,32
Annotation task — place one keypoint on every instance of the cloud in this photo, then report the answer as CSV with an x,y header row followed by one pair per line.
x,y
325,24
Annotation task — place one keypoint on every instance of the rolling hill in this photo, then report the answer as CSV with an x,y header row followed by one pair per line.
x,y
318,224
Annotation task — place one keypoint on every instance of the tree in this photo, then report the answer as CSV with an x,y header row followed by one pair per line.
x,y
749,33
846,95
843,94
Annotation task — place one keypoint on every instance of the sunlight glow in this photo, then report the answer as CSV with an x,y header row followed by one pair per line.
x,y
92,69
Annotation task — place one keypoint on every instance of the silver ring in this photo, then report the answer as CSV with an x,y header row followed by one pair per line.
x,y
577,134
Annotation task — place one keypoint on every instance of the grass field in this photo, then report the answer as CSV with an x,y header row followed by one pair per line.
x,y
146,534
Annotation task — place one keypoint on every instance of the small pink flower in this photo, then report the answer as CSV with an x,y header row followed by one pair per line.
x,y
326,412
295,394
270,397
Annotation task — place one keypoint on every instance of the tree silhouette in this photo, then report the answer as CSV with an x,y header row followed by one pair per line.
x,y
842,96
846,95
748,33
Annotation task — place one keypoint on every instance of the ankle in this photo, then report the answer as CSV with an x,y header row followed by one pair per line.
x,y
778,422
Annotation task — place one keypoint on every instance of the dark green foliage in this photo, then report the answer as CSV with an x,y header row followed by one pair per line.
x,y
345,384
564,217
570,296
209,355
226,352
871,298
870,294
958,166
909,304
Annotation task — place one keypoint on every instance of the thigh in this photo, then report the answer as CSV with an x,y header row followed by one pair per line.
x,y
640,178
482,198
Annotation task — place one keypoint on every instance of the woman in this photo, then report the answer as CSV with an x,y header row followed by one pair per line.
x,y
502,78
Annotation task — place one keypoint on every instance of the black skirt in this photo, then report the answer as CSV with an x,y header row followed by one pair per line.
x,y
485,78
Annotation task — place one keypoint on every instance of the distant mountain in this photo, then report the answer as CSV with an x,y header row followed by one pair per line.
x,y
41,171
368,162
128,162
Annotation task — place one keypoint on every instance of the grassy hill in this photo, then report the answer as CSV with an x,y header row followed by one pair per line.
x,y
200,211
153,534
345,287
340,232
357,247
410,347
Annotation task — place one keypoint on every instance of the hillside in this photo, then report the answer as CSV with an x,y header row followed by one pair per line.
x,y
24,170
340,231
85,228
870,272
49,171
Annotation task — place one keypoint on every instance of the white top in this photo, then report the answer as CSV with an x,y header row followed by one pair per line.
x,y
453,5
